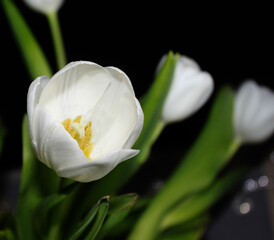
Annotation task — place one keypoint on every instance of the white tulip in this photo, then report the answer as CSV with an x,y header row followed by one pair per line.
x,y
84,120
45,6
189,90
253,113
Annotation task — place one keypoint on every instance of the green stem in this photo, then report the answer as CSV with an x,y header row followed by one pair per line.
x,y
235,145
57,39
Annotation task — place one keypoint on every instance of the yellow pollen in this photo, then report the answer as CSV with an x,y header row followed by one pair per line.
x,y
81,133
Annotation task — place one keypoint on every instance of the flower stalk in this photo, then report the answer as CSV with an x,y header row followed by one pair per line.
x,y
57,39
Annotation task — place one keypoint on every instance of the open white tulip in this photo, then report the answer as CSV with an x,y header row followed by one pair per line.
x,y
45,6
84,120
189,90
253,113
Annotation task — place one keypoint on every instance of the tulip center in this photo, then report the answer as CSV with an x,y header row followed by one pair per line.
x,y
81,132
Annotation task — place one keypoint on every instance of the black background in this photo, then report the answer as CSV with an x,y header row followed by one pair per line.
x,y
231,42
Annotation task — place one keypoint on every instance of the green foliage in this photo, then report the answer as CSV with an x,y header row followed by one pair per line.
x,y
199,203
120,207
88,229
191,230
198,169
32,53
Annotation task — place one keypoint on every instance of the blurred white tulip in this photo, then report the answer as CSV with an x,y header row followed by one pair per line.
x,y
45,6
253,113
189,91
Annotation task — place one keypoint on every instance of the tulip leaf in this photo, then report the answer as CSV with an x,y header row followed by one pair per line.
x,y
37,182
120,207
102,212
41,213
198,168
192,230
193,234
152,105
96,213
198,203
32,53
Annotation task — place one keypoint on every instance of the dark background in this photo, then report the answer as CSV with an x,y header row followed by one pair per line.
x,y
231,42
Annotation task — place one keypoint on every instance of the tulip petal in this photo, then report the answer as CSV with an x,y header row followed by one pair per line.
x,y
75,89
45,6
115,116
34,94
97,168
55,146
138,127
188,95
253,114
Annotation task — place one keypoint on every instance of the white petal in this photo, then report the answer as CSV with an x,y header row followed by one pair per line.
x,y
253,112
75,90
56,148
138,127
34,94
187,96
97,168
44,6
115,116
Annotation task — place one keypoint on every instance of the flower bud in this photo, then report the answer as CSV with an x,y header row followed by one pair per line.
x,y
189,90
253,113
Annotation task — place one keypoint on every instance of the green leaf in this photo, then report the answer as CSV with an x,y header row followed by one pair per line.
x,y
37,182
153,102
191,230
42,211
198,203
120,207
32,53
194,234
99,210
198,169
102,212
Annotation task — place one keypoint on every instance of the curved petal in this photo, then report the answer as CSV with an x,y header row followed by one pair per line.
x,y
115,116
55,147
138,127
253,112
97,168
75,89
247,103
188,96
33,97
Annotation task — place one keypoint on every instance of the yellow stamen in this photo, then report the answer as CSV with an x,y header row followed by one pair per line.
x,y
75,129
77,119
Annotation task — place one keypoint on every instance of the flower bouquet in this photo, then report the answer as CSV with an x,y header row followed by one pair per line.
x,y
85,135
